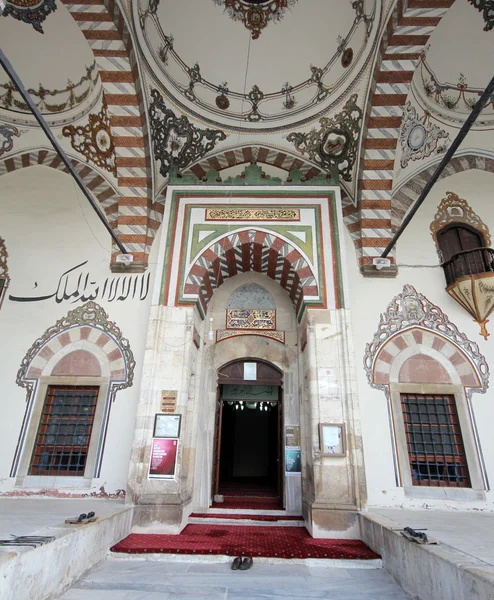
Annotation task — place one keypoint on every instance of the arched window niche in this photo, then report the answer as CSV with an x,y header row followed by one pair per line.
x,y
428,371
71,375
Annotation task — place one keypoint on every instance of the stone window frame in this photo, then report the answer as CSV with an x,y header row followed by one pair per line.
x,y
84,328
463,407
96,443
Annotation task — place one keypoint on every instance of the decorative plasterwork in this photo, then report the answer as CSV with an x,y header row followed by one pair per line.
x,y
94,140
410,310
226,334
450,102
7,133
487,9
4,271
176,141
455,209
419,138
51,101
88,315
336,141
322,86
33,12
256,14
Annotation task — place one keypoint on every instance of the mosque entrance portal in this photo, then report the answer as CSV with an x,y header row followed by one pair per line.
x,y
248,467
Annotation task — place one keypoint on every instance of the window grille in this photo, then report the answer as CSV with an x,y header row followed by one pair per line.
x,y
65,430
434,440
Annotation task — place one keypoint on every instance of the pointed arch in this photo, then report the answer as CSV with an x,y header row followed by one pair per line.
x,y
252,250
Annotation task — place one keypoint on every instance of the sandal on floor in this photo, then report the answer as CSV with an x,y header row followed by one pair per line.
x,y
246,564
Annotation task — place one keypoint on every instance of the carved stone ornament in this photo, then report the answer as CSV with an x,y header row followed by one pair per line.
x,y
487,9
89,315
176,141
7,133
256,14
4,270
336,142
455,209
94,140
410,309
419,138
33,12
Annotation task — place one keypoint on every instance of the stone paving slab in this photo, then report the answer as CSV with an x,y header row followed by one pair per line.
x,y
150,580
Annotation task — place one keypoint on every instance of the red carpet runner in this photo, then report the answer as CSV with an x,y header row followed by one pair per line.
x,y
281,542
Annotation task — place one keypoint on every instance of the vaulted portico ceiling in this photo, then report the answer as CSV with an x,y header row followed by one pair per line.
x,y
294,72
65,85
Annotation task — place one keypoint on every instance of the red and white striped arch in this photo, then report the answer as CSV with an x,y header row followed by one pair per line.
x,y
409,30
251,250
101,189
104,26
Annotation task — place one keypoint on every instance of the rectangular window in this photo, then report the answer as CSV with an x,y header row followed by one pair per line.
x,y
434,441
65,430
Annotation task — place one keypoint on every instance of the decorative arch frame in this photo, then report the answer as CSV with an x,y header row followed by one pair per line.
x,y
414,327
252,250
85,328
408,30
105,27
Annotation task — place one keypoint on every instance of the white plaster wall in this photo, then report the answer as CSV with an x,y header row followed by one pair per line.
x,y
418,266
49,227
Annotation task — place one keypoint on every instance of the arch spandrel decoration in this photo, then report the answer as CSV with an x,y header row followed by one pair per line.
x,y
412,325
4,271
454,209
251,250
87,325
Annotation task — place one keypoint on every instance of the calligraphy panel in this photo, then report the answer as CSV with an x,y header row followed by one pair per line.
x,y
252,214
250,318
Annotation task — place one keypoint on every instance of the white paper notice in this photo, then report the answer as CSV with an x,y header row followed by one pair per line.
x,y
331,436
250,371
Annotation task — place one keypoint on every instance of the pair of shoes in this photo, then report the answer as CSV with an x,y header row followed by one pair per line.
x,y
240,564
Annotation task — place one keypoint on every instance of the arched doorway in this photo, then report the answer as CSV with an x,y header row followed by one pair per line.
x,y
247,463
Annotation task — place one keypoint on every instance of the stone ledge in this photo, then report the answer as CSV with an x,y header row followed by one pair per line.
x,y
427,572
45,572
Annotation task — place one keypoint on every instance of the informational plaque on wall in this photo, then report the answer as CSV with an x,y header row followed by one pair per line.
x,y
332,439
168,401
293,461
250,371
163,459
292,436
167,426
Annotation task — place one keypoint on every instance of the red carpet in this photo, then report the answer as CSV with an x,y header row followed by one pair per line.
x,y
236,516
281,542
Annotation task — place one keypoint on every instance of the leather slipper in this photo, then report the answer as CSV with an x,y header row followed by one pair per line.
x,y
246,564
237,563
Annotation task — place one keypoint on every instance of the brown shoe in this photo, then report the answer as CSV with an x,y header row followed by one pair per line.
x,y
246,564
237,563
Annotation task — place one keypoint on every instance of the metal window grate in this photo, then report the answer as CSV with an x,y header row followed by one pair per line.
x,y
65,430
435,445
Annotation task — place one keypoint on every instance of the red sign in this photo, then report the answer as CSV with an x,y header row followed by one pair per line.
x,y
163,458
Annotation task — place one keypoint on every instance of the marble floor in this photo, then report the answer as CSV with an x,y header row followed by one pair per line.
x,y
161,580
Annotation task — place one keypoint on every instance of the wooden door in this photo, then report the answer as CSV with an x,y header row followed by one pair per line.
x,y
217,442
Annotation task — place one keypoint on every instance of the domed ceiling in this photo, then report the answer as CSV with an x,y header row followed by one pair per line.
x,y
56,65
257,65
456,68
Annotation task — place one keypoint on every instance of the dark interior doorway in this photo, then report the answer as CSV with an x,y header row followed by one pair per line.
x,y
248,438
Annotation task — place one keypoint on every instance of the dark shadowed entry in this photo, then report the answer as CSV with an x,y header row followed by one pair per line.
x,y
247,467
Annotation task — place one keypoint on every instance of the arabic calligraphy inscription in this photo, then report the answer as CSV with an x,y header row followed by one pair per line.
x,y
252,214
